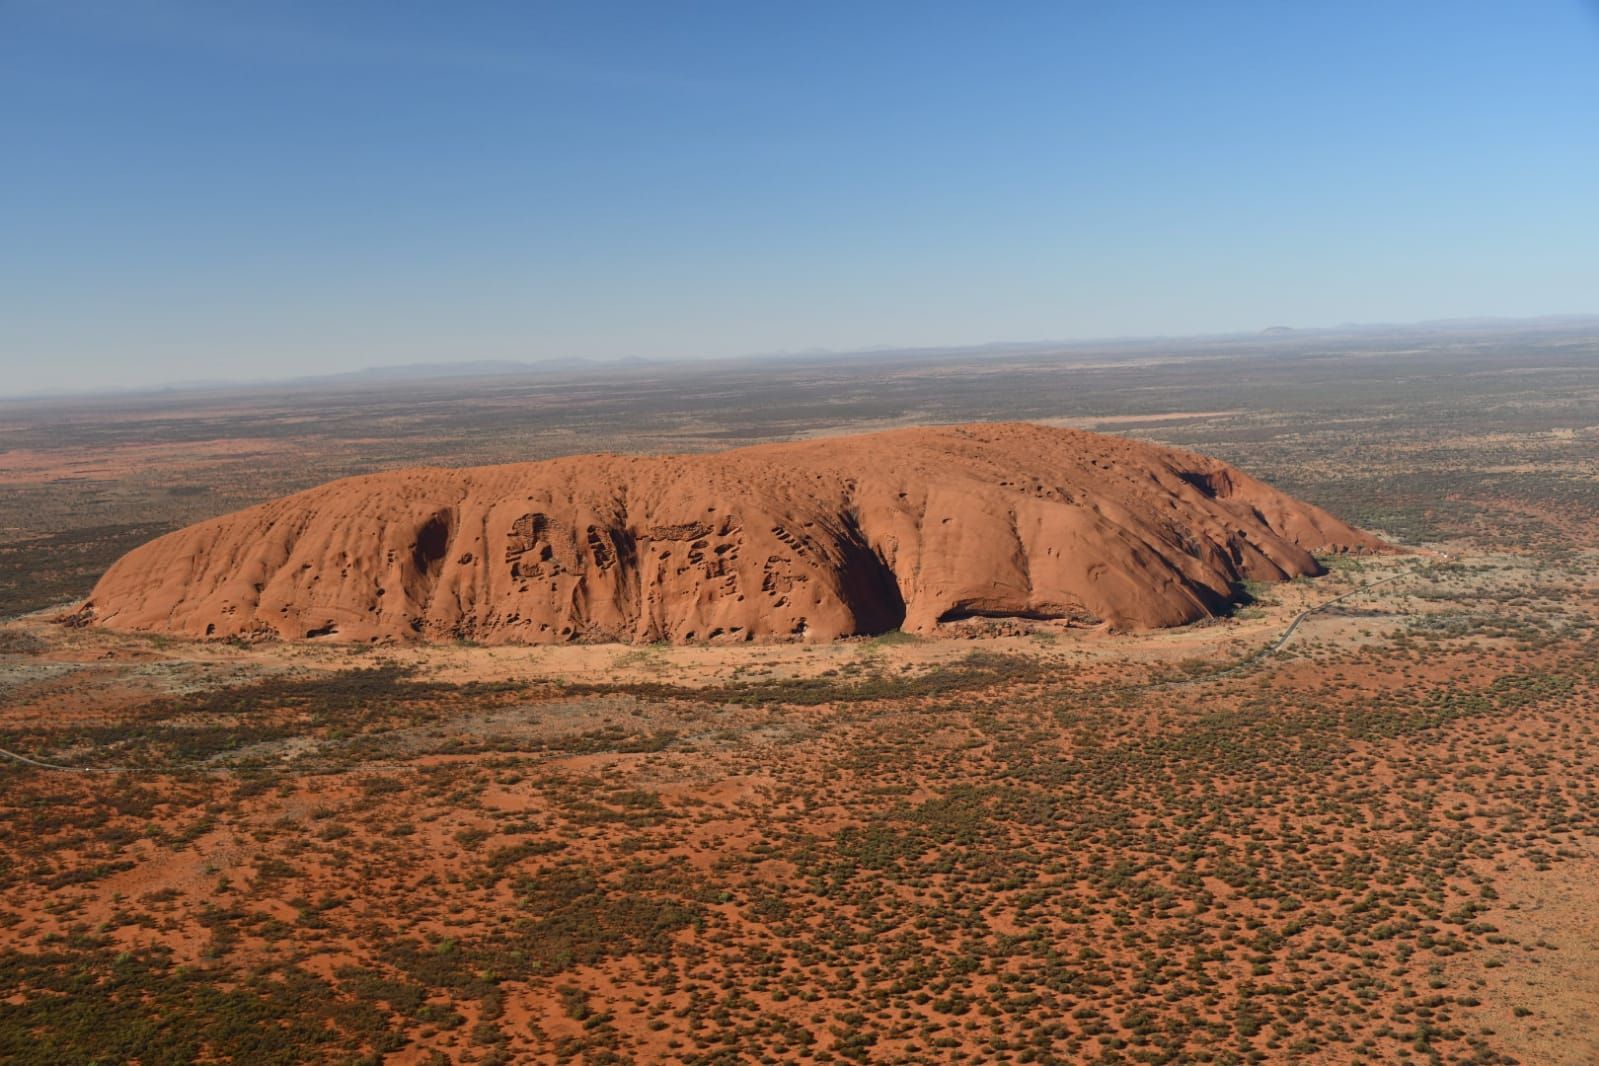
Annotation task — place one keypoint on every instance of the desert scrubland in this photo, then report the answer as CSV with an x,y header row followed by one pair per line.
x,y
1001,839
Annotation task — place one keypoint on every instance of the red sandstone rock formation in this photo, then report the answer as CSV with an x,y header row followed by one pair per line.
x,y
813,540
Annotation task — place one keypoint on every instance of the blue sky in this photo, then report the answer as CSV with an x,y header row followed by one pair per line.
x,y
243,190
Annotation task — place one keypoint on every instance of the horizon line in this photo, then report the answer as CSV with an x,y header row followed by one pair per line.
x,y
470,368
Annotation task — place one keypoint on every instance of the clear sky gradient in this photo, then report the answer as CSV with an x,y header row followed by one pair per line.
x,y
215,189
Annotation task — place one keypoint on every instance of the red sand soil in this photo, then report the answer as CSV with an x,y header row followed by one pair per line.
x,y
806,541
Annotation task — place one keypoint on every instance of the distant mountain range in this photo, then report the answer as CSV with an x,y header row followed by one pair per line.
x,y
1290,337
471,369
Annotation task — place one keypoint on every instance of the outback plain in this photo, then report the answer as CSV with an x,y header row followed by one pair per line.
x,y
1354,820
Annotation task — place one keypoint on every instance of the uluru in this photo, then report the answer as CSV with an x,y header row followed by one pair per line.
x,y
812,540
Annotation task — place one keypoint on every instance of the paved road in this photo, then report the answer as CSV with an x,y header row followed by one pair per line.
x,y
1277,645
55,766
1302,615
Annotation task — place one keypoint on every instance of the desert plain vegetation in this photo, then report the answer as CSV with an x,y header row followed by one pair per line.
x,y
1010,841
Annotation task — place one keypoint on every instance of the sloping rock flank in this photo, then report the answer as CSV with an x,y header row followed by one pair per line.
x,y
810,541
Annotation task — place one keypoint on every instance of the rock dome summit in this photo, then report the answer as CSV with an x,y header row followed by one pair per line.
x,y
812,541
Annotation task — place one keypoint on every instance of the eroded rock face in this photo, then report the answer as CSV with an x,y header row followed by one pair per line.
x,y
811,541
